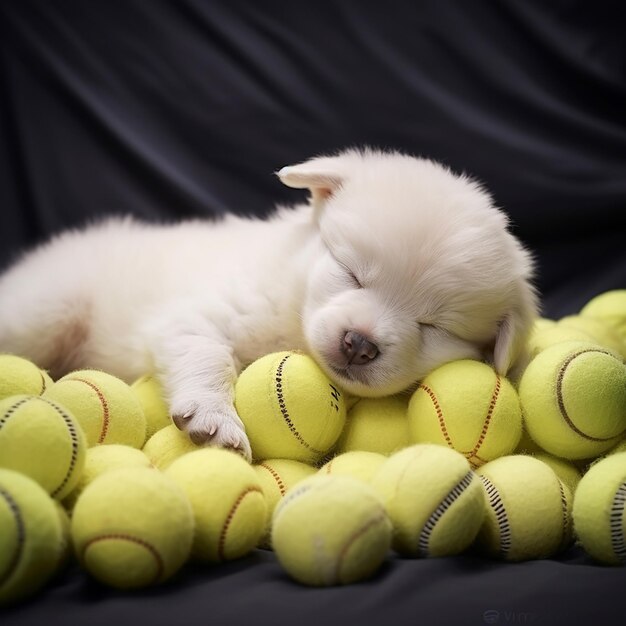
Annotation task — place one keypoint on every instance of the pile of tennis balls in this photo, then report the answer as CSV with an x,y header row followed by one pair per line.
x,y
512,469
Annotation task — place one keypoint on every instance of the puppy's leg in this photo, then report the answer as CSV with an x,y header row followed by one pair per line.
x,y
197,368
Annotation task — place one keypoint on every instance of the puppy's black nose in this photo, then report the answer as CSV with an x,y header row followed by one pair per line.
x,y
358,348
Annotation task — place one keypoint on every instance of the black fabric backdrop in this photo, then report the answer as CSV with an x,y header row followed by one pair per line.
x,y
170,109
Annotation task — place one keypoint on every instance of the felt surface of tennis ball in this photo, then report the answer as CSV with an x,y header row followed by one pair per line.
x,y
166,445
276,477
620,447
606,304
526,444
350,400
542,339
149,392
543,322
528,509
598,330
611,308
330,530
289,407
105,407
227,500
573,398
20,376
434,500
31,537
101,459
66,535
468,407
358,464
132,528
376,425
600,510
566,471
41,439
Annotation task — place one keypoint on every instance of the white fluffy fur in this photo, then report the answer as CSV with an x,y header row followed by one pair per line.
x,y
397,248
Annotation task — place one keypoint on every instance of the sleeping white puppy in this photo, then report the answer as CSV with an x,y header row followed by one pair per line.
x,y
395,267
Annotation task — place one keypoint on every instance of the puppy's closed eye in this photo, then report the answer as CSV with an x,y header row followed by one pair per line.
x,y
353,277
350,273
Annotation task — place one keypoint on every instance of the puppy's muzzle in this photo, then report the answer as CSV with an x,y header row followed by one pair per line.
x,y
358,349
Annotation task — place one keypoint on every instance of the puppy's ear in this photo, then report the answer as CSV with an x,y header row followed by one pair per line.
x,y
509,353
322,176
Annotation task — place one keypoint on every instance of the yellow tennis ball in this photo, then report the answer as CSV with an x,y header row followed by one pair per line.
x,y
528,509
527,445
101,459
600,510
41,439
468,407
542,339
358,464
376,425
289,407
132,528
104,406
598,330
611,308
567,472
149,392
350,400
166,445
31,537
433,498
543,322
620,447
19,376
66,535
227,500
573,398
330,530
607,304
276,477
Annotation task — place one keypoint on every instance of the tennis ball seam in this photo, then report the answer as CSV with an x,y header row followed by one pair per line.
x,y
379,518
471,454
564,515
618,506
43,383
430,524
21,536
275,475
229,518
103,402
486,422
71,427
13,408
136,540
439,411
497,506
328,466
561,401
293,494
282,406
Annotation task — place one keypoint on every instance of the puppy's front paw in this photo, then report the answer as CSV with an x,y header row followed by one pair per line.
x,y
207,425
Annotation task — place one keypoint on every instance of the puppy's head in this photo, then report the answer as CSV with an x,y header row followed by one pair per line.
x,y
417,269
